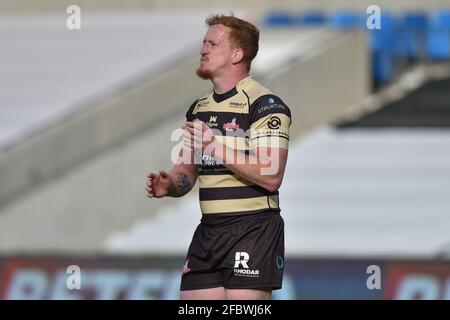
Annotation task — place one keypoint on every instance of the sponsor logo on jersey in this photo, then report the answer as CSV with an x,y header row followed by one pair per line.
x,y
212,122
231,126
237,104
202,103
269,107
208,161
274,123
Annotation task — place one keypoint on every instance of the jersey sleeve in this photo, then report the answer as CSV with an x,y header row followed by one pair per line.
x,y
189,113
270,119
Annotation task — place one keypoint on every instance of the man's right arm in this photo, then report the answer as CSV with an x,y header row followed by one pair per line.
x,y
183,178
178,182
180,179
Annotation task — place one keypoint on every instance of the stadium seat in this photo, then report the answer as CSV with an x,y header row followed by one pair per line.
x,y
311,18
438,38
438,45
382,40
441,19
382,67
346,19
411,35
383,46
278,19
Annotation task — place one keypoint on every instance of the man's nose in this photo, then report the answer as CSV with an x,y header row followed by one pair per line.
x,y
204,50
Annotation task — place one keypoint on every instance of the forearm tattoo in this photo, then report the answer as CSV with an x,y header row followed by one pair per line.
x,y
183,182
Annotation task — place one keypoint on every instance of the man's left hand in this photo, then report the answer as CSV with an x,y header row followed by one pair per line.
x,y
198,135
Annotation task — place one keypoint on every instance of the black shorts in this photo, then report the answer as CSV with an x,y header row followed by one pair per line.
x,y
243,251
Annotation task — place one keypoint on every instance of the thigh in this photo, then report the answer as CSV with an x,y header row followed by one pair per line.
x,y
248,294
217,293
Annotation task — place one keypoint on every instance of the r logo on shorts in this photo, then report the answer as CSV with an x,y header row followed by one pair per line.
x,y
238,261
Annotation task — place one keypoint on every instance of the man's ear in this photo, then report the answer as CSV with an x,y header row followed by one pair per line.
x,y
238,55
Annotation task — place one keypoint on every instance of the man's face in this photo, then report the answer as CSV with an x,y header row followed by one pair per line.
x,y
216,52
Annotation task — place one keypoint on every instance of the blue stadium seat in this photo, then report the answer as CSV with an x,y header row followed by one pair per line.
x,y
346,19
279,19
438,38
311,18
441,19
415,20
383,39
438,45
382,67
382,43
411,35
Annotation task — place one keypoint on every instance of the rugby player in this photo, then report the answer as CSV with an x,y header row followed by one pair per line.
x,y
240,134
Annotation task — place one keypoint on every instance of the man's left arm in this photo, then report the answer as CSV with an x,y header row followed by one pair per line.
x,y
265,163
264,167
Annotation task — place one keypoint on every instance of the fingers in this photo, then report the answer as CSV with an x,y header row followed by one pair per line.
x,y
193,130
149,184
152,175
198,141
152,179
163,174
189,127
189,130
149,192
197,135
187,135
187,139
197,125
191,141
192,123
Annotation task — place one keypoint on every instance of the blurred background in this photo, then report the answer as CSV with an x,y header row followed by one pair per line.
x,y
86,113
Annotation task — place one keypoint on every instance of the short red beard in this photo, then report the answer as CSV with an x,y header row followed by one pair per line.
x,y
205,74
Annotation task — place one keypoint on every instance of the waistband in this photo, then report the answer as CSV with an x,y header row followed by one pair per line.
x,y
227,219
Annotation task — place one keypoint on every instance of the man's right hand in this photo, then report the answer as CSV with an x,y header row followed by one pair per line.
x,y
158,184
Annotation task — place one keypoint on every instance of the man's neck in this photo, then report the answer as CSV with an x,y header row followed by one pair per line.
x,y
226,83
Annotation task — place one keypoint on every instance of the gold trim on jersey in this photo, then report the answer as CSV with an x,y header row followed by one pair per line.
x,y
236,104
223,181
270,142
239,205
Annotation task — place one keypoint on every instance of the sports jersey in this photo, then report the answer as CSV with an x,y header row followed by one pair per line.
x,y
247,117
